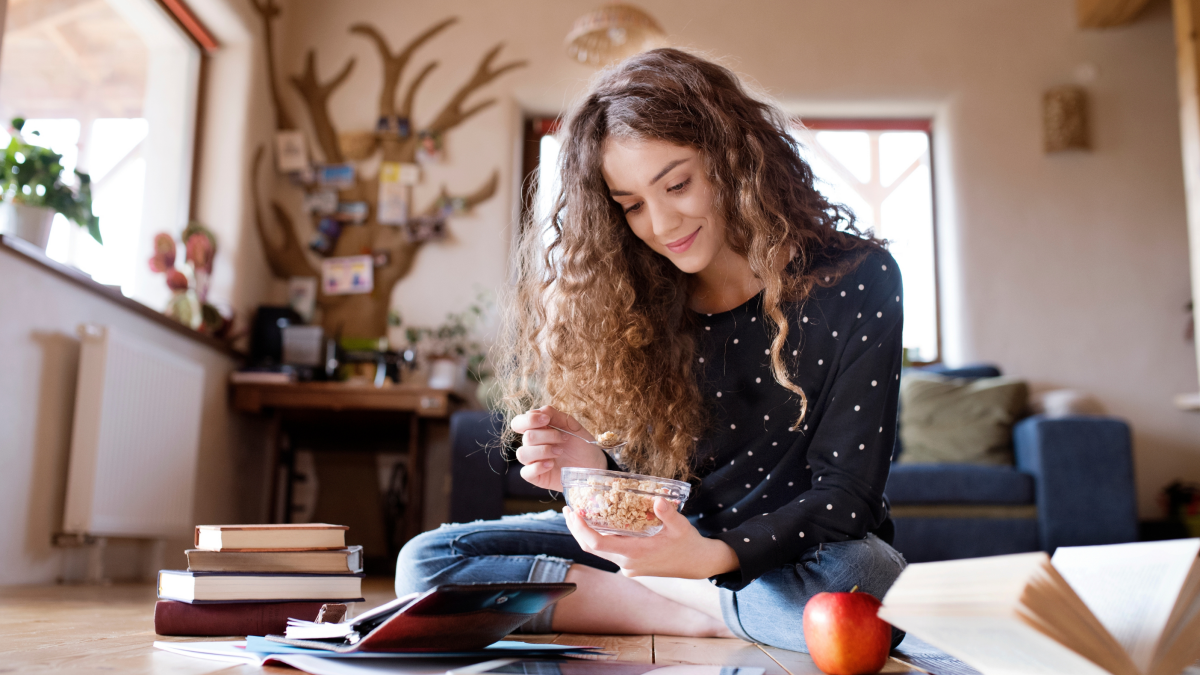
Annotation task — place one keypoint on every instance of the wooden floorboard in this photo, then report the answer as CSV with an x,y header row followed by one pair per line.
x,y
97,630
632,648
670,649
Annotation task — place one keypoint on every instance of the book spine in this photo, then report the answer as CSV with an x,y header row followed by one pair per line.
x,y
241,618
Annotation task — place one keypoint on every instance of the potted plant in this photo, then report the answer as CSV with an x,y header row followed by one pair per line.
x,y
452,352
32,186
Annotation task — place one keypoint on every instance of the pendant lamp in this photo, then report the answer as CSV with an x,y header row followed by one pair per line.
x,y
613,32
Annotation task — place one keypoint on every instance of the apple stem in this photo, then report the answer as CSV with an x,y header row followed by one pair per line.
x,y
854,589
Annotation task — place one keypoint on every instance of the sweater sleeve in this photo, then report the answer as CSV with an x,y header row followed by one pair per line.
x,y
851,447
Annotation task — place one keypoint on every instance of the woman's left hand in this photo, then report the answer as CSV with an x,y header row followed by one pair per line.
x,y
678,550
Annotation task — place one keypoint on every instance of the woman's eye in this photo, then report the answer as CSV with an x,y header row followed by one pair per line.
x,y
633,209
680,187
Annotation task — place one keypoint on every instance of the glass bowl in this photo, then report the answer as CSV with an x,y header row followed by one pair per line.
x,y
614,502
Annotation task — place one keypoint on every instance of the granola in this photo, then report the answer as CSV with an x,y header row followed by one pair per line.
x,y
612,504
607,439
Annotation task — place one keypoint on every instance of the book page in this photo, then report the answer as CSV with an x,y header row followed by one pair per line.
x,y
1131,588
994,645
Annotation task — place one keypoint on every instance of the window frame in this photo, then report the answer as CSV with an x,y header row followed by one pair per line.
x,y
533,129
207,44
899,124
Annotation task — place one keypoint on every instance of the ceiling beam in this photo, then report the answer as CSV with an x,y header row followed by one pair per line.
x,y
1107,13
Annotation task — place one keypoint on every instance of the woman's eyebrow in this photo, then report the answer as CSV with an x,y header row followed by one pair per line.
x,y
665,169
657,177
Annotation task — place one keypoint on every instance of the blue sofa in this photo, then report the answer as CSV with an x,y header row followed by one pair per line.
x,y
1072,485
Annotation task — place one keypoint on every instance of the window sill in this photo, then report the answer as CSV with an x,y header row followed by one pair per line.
x,y
23,249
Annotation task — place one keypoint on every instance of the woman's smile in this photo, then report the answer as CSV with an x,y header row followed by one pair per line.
x,y
681,245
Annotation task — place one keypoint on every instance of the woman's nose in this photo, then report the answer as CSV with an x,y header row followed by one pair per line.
x,y
663,220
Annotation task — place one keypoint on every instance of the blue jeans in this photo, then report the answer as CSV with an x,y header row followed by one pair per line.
x,y
539,547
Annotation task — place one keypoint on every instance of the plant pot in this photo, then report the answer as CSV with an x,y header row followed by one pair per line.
x,y
31,223
447,373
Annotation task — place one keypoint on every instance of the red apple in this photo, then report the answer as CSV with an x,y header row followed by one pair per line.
x,y
844,635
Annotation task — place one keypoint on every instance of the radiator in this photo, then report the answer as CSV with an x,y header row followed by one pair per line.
x,y
135,439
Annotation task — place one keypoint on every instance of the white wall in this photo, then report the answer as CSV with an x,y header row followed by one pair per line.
x,y
39,313
1069,270
38,321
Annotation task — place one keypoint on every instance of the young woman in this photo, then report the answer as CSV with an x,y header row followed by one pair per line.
x,y
695,294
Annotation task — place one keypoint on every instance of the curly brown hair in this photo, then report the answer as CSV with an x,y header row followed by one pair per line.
x,y
598,324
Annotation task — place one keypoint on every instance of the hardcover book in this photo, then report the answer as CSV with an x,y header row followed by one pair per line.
x,y
336,561
201,587
233,618
291,537
1123,609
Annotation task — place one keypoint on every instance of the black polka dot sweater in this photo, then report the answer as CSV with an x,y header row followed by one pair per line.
x,y
772,489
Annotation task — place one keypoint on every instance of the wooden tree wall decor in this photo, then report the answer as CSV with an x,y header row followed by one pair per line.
x,y
398,140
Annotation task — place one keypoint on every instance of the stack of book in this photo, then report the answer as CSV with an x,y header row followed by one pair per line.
x,y
250,579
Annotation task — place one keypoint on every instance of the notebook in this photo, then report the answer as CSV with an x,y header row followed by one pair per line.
x,y
453,617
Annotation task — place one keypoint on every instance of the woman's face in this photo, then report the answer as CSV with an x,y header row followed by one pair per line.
x,y
667,200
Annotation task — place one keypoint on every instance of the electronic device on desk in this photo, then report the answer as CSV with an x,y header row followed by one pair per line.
x,y
266,334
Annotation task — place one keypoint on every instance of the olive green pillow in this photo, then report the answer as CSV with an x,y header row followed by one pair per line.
x,y
945,420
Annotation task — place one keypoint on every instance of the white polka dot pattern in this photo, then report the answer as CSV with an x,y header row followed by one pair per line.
x,y
842,381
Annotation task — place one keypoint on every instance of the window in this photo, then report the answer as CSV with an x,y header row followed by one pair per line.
x,y
882,170
113,86
539,166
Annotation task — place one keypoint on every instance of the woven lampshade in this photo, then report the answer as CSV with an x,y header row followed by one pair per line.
x,y
613,32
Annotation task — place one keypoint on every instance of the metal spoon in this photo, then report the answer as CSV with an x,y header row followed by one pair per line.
x,y
596,443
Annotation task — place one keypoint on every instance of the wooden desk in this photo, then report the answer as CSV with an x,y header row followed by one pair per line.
x,y
418,406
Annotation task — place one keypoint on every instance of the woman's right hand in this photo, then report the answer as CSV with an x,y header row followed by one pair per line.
x,y
544,450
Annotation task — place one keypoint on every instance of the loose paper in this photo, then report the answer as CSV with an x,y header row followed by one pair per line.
x,y
339,176
348,275
354,212
393,192
290,153
302,296
322,202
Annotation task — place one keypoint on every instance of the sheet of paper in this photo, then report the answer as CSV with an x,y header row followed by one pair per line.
x,y
392,206
263,646
348,275
227,651
290,152
1131,588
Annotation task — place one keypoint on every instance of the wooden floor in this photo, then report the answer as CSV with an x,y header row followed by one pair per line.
x,y
94,629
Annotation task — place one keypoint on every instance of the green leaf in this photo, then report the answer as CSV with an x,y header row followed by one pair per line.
x,y
93,228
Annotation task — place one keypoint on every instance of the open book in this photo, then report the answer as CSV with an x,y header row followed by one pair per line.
x,y
1124,609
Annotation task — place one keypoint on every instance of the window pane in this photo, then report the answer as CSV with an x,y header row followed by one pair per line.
x,y
852,149
835,189
548,182
110,84
907,216
885,179
899,150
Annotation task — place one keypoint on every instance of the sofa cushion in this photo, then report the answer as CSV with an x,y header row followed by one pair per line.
x,y
958,484
956,420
